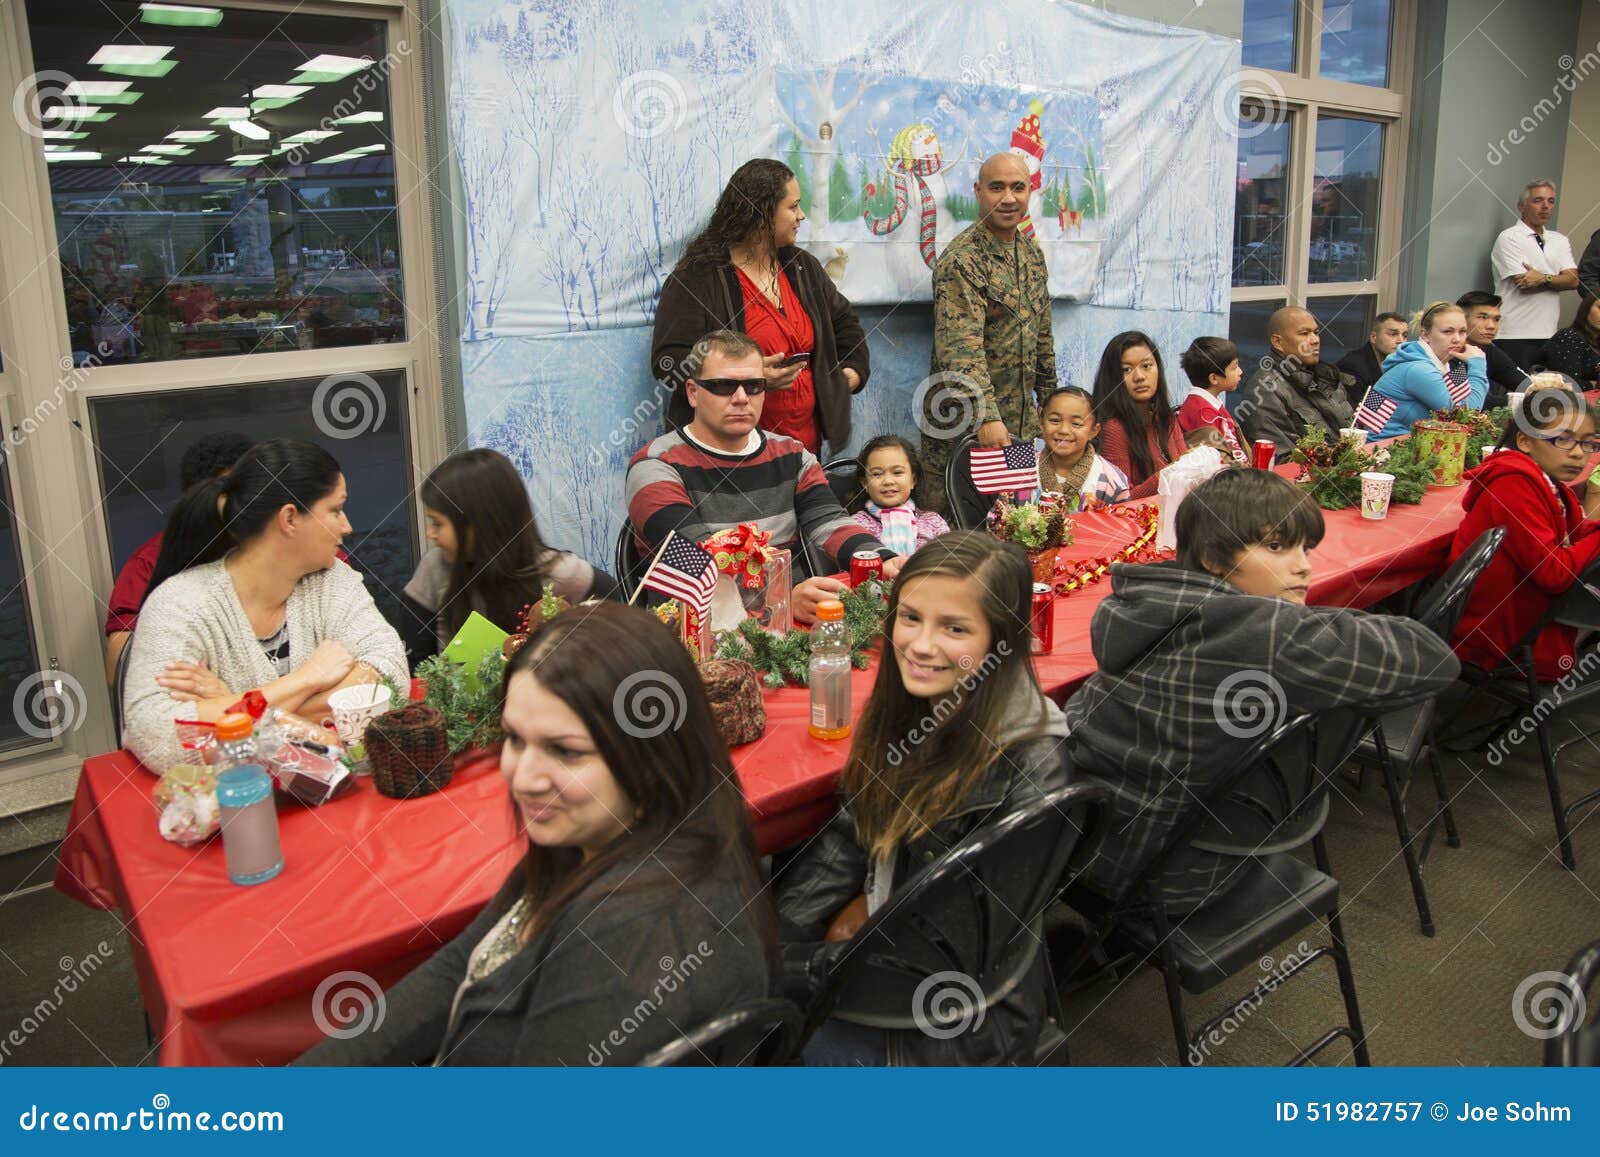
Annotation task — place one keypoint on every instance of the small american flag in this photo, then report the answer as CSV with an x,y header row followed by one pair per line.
x,y
1373,415
1004,469
684,571
1455,379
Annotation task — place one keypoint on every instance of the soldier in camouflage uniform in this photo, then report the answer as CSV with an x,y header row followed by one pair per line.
x,y
993,352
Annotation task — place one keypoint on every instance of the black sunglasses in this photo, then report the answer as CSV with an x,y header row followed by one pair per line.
x,y
727,387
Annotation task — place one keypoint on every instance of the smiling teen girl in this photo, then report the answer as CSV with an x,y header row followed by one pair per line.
x,y
637,912
955,672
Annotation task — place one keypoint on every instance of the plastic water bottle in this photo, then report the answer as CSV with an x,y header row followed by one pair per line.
x,y
249,824
830,673
236,743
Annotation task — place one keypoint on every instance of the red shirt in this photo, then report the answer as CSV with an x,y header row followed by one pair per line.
x,y
791,412
1197,411
1114,445
127,596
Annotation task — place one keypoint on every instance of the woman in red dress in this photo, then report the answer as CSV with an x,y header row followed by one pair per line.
x,y
745,272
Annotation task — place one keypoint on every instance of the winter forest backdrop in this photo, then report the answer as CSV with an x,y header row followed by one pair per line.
x,y
591,146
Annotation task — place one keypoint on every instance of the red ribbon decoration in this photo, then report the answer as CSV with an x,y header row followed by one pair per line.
x,y
741,553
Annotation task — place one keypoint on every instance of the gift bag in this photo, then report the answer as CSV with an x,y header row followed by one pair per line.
x,y
1176,482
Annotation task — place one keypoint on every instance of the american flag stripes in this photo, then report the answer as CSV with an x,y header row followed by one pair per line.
x,y
684,571
1374,412
1455,379
1007,468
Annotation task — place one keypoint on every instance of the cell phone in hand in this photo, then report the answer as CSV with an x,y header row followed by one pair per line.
x,y
798,359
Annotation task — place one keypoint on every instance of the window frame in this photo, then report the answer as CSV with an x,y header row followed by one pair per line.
x,y
65,539
1304,96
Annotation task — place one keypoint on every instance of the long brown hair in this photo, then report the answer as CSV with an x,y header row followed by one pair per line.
x,y
501,562
629,679
1112,400
900,780
748,204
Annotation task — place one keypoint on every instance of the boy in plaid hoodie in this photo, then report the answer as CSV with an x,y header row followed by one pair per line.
x,y
1200,657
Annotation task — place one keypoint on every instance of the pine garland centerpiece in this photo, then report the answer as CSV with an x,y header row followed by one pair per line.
x,y
786,659
1331,473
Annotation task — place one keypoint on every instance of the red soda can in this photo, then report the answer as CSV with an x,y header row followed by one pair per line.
x,y
1044,619
1265,451
864,565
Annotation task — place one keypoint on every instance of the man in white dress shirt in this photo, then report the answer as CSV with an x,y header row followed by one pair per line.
x,y
1532,266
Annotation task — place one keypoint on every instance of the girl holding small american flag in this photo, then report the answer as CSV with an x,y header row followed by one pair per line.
x,y
1441,370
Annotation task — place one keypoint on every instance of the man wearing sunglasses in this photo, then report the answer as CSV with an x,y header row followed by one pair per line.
x,y
721,470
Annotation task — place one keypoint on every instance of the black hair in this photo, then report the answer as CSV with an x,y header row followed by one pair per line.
x,y
209,456
747,206
1234,510
1066,392
227,510
1473,298
883,442
1112,400
1206,356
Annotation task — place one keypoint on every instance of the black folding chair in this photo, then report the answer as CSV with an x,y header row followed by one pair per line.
x,y
759,1034
975,915
968,508
1398,742
844,479
1576,1039
1274,801
1516,682
627,563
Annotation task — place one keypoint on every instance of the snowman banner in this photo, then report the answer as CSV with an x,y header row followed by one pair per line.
x,y
899,171
591,147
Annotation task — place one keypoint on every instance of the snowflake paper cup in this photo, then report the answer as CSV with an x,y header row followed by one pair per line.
x,y
1355,433
1377,488
355,707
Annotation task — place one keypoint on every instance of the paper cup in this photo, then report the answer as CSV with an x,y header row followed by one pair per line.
x,y
1376,490
355,707
1356,433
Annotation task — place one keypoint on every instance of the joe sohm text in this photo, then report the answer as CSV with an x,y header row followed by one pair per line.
x,y
1512,1112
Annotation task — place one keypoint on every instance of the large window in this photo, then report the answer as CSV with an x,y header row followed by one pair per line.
x,y
1318,187
222,180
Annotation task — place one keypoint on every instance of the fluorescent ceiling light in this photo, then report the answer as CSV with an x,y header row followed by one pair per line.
x,y
270,103
366,149
61,135
228,112
72,155
96,89
244,164
360,118
337,158
134,59
78,112
201,135
248,158
167,150
138,160
325,68
180,15
310,136
273,90
249,129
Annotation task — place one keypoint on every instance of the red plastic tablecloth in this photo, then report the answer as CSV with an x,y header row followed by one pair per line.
x,y
373,886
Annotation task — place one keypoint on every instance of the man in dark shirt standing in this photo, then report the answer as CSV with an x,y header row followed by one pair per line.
x,y
1483,323
1365,363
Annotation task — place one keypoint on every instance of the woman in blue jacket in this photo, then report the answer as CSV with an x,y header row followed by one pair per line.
x,y
1440,371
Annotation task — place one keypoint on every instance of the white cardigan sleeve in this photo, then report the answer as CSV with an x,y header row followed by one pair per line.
x,y
171,629
349,616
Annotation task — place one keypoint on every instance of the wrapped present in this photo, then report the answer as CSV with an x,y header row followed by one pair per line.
x,y
755,581
741,552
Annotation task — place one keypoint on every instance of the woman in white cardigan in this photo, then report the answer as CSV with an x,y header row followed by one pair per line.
x,y
250,594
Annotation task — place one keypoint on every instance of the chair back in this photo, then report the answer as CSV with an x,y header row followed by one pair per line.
x,y
844,479
1579,605
1441,608
1577,1035
628,564
968,508
761,1033
963,931
119,685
